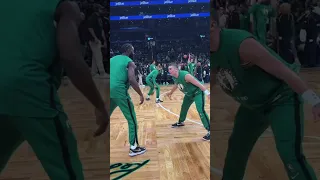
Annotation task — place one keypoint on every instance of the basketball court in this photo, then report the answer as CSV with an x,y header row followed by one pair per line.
x,y
172,153
264,162
24,165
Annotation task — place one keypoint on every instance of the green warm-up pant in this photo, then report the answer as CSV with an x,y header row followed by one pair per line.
x,y
287,123
127,108
199,100
51,139
151,83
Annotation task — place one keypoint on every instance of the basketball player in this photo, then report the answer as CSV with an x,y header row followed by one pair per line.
x,y
261,12
152,83
194,91
191,65
269,91
122,72
152,66
33,52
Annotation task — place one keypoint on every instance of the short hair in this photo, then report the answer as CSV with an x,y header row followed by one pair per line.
x,y
125,47
174,65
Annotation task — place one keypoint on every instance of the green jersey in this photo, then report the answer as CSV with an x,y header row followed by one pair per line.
x,y
191,67
153,75
249,85
261,14
245,22
30,73
152,67
119,82
187,88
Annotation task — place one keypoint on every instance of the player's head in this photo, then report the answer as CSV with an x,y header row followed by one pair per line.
x,y
154,62
127,49
159,67
173,69
285,8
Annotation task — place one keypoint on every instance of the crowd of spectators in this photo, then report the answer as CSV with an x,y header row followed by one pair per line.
x,y
293,31
170,40
94,35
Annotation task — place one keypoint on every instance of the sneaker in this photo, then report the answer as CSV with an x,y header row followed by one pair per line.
x,y
206,137
159,101
148,99
137,151
178,124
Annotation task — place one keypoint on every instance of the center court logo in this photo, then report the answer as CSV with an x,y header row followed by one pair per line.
x,y
120,170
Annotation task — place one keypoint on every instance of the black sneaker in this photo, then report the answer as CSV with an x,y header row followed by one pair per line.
x,y
207,137
178,124
148,99
137,151
159,101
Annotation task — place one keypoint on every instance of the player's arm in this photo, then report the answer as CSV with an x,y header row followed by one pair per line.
x,y
92,21
252,51
68,18
132,78
174,88
195,82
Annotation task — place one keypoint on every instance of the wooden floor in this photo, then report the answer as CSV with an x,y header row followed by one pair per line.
x,y
24,165
264,162
174,154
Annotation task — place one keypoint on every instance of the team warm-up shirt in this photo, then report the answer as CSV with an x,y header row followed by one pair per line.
x,y
187,88
30,70
261,15
153,76
119,82
249,85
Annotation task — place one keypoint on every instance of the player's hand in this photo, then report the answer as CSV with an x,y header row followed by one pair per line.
x,y
102,120
96,41
141,99
316,112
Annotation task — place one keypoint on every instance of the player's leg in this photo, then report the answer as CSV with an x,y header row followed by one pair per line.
x,y
248,127
288,128
186,103
10,139
200,103
54,143
157,93
151,91
113,105
127,108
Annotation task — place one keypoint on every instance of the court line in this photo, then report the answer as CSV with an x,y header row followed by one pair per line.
x,y
215,170
175,113
212,169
